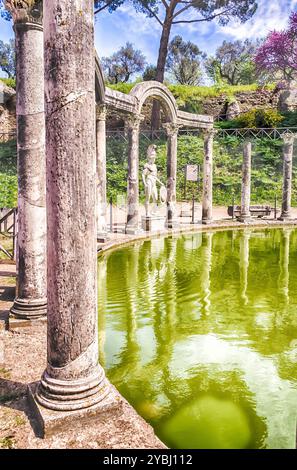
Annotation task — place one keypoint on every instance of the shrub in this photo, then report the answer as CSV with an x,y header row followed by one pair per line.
x,y
9,82
260,118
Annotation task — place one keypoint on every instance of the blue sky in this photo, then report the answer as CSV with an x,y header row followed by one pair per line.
x,y
114,30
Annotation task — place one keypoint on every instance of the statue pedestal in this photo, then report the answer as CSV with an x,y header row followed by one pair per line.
x,y
153,223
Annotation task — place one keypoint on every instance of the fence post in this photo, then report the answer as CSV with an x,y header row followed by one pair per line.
x,y
275,203
110,215
233,205
193,209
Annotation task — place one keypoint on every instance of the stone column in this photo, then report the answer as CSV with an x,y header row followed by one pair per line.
x,y
244,263
133,125
30,302
73,379
172,133
246,182
206,256
101,172
284,261
207,176
287,175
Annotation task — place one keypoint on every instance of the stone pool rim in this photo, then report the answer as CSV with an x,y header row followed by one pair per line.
x,y
216,226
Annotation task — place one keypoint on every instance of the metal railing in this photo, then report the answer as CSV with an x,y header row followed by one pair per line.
x,y
8,228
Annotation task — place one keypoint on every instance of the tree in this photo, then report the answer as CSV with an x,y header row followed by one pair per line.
x,y
169,13
7,58
121,65
149,73
233,63
278,54
184,61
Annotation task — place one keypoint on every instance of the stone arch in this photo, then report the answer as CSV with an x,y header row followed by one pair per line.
x,y
158,91
99,81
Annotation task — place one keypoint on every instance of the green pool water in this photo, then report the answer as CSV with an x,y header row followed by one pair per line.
x,y
199,333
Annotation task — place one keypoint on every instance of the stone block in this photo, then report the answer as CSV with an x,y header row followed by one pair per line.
x,y
49,422
153,223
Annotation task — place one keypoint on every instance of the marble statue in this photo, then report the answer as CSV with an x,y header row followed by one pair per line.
x,y
150,180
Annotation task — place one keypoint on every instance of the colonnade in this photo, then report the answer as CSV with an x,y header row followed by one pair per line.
x,y
57,250
288,147
132,125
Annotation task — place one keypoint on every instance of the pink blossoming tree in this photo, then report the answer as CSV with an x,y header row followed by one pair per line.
x,y
278,54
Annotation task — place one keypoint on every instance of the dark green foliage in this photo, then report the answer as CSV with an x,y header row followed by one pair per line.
x,y
8,171
149,73
266,168
290,119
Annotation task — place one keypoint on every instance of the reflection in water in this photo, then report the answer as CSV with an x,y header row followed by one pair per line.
x,y
199,333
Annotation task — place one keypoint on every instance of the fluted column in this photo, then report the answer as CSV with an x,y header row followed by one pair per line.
x,y
207,176
30,302
133,126
73,379
246,182
172,133
101,172
287,175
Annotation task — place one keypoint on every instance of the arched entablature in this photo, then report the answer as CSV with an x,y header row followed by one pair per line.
x,y
152,89
99,82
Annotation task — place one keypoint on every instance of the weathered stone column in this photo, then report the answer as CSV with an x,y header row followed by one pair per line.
x,y
284,260
30,302
132,126
207,176
73,379
246,182
206,256
101,172
172,133
244,263
287,175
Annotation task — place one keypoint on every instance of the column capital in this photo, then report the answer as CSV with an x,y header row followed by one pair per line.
x,y
133,121
288,138
26,13
101,112
171,128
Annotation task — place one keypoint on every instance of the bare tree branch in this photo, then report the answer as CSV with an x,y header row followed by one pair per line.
x,y
209,18
102,8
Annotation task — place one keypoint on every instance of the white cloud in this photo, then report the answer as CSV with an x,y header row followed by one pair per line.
x,y
269,16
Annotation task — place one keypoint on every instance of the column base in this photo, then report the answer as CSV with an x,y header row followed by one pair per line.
x,y
244,219
71,394
49,422
206,221
27,309
284,218
133,230
102,237
153,223
172,224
